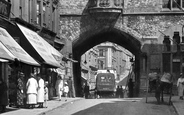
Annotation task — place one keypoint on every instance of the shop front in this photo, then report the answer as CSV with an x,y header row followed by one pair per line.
x,y
48,57
22,62
13,58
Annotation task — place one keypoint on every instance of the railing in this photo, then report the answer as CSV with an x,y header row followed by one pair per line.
x,y
106,4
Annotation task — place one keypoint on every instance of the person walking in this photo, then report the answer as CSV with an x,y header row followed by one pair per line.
x,y
180,85
20,90
46,93
121,91
59,87
69,82
40,95
31,87
157,88
66,90
86,90
118,91
3,95
130,87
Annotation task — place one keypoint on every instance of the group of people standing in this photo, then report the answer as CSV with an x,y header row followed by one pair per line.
x,y
28,94
36,91
119,92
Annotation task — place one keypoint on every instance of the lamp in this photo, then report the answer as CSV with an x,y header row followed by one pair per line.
x,y
85,62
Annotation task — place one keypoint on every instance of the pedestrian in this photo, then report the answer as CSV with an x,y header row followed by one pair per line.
x,y
66,90
3,95
31,87
180,85
46,93
20,90
59,86
40,94
130,87
121,91
118,91
157,89
86,90
69,82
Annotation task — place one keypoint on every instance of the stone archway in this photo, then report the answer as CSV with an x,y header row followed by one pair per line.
x,y
90,38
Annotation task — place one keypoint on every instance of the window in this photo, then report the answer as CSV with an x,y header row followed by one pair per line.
x,y
104,3
38,11
20,9
30,11
101,52
172,4
176,3
101,64
44,13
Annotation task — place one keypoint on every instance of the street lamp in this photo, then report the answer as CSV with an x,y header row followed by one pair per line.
x,y
85,62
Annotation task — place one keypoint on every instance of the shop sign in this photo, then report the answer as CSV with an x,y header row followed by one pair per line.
x,y
5,8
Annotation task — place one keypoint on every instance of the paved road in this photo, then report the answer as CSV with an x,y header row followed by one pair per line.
x,y
136,106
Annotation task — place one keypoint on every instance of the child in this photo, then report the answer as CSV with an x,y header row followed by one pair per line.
x,y
46,95
66,90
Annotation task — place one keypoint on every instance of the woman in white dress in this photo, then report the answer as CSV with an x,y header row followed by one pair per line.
x,y
40,95
59,87
180,85
31,87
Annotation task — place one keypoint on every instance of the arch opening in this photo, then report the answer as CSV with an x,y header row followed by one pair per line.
x,y
83,44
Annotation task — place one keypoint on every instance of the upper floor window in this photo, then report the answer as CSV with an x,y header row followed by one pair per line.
x,y
172,4
38,11
101,52
44,13
20,9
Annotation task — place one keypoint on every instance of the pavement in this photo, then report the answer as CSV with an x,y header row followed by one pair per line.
x,y
178,105
51,105
55,103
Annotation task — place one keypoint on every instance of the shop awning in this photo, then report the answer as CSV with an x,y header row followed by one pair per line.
x,y
15,48
5,53
40,46
55,53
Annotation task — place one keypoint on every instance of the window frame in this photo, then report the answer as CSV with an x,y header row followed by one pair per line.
x,y
170,5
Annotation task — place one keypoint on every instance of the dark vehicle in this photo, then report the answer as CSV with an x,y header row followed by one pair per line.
x,y
105,84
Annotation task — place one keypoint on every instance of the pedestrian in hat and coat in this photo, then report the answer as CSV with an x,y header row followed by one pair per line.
x,y
40,94
59,87
31,87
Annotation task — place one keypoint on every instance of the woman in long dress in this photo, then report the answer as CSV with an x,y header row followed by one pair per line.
x,y
59,87
40,95
180,85
20,90
31,87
